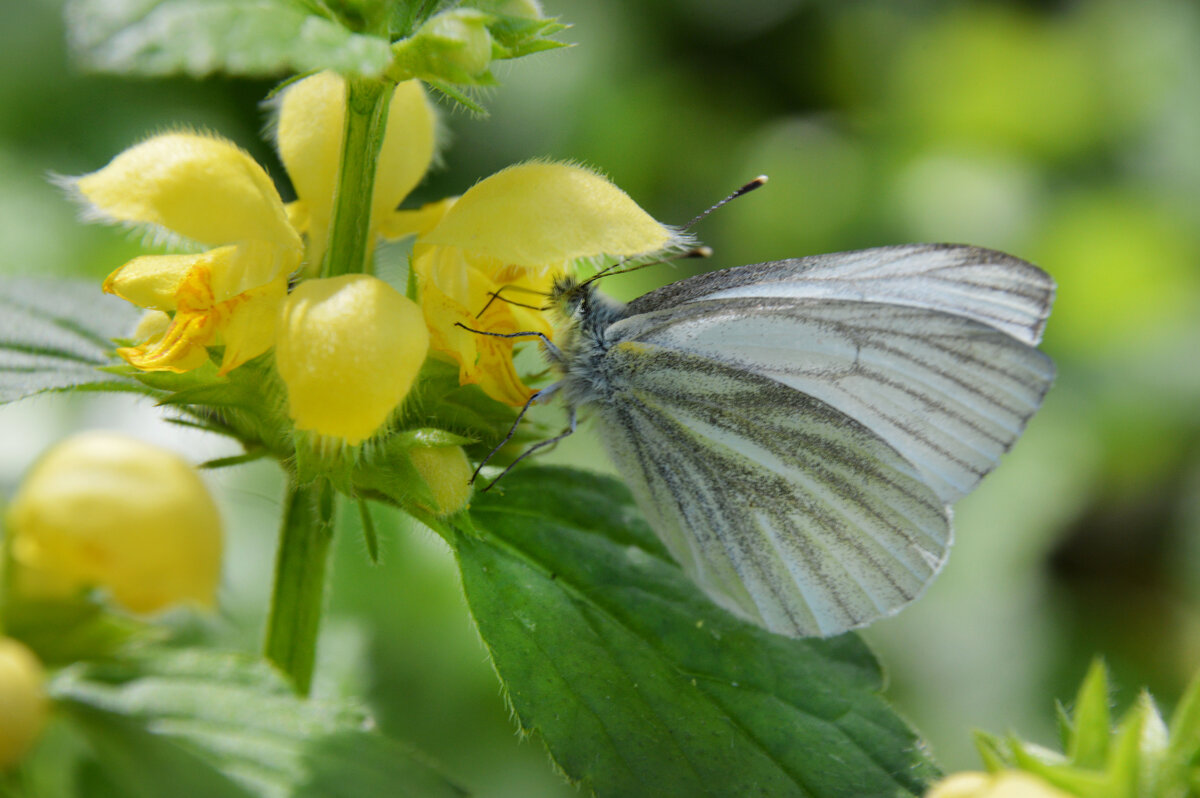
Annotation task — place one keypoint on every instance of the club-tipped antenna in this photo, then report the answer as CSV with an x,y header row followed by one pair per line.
x,y
757,182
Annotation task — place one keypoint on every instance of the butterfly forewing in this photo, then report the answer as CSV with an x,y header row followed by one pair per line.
x,y
948,393
990,287
780,507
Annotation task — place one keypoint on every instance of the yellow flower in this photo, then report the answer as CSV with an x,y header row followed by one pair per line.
x,y
23,703
104,510
203,189
309,132
1002,784
349,349
514,233
206,190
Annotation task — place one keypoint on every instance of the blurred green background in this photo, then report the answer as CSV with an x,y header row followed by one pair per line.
x,y
1067,133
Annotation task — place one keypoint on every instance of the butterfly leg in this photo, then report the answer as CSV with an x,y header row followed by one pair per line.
x,y
549,390
571,423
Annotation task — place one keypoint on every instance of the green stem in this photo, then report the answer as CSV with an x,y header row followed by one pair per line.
x,y
299,594
349,230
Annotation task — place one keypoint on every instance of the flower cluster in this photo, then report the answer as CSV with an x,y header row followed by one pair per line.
x,y
348,348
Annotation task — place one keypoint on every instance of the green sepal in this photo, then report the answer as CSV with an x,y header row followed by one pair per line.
x,y
514,37
462,98
992,751
384,472
370,535
440,402
1141,757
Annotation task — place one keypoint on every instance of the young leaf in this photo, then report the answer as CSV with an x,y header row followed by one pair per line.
x,y
197,722
200,37
1184,748
1091,723
55,334
639,685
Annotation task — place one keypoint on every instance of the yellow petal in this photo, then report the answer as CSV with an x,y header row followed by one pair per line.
x,y
23,701
453,293
250,323
407,148
546,214
110,511
309,135
181,348
399,224
152,325
202,187
152,281
348,350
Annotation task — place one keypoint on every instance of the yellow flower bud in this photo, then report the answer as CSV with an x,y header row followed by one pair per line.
x,y
349,349
447,472
23,704
104,510
1004,784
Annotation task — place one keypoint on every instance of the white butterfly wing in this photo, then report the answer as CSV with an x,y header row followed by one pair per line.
x,y
980,284
799,427
782,509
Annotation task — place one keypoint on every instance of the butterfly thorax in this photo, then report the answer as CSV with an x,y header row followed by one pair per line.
x,y
584,316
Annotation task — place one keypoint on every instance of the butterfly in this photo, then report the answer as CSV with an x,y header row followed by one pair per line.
x,y
796,431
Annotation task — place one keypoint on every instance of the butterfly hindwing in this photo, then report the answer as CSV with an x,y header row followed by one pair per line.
x,y
783,509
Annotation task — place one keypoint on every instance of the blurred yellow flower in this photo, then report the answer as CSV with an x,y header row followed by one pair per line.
x,y
349,349
103,510
203,189
1002,784
447,472
514,233
23,704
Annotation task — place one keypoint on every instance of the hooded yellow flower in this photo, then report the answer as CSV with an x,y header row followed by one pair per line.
x,y
203,189
514,233
349,349
102,509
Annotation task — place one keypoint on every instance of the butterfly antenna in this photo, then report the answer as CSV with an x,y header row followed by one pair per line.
x,y
757,182
694,252
496,295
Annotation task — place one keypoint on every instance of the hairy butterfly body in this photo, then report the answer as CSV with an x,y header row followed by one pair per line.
x,y
795,431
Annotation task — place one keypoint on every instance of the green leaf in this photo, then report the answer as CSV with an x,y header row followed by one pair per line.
x,y
56,334
200,37
639,685
1091,724
193,722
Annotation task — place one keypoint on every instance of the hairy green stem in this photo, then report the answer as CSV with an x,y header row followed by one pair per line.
x,y
299,594
366,122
